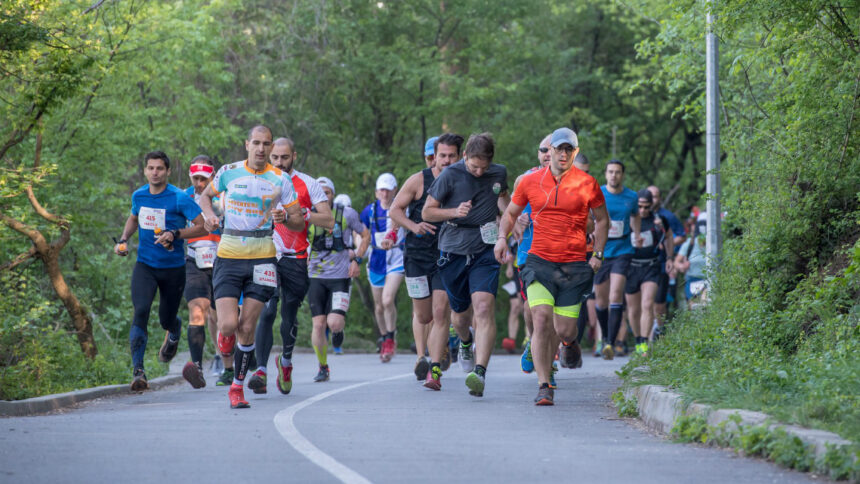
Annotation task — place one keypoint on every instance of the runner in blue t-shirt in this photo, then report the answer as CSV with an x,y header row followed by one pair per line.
x,y
160,213
610,280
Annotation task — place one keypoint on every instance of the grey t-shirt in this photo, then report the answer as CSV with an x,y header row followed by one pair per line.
x,y
328,264
456,185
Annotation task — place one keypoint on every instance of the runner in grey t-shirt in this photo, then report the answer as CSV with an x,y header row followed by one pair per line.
x,y
468,197
331,264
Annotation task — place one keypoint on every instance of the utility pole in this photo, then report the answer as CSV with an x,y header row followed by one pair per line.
x,y
713,246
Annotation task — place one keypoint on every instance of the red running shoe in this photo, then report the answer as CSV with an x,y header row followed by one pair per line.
x,y
434,377
226,344
257,382
509,345
387,351
237,397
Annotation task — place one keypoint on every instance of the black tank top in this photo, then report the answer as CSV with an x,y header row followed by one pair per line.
x,y
653,234
414,208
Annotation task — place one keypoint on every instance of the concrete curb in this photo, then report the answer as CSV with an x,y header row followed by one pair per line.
x,y
50,403
659,408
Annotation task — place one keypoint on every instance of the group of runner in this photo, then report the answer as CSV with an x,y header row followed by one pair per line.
x,y
258,232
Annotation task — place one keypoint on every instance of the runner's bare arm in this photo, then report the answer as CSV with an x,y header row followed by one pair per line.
x,y
406,195
211,221
295,221
196,230
670,249
433,211
130,228
636,225
365,242
503,201
509,217
322,217
601,233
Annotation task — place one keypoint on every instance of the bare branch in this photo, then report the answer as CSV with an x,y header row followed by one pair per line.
x,y
94,6
19,259
41,245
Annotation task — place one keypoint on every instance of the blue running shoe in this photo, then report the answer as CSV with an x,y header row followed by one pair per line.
x,y
526,362
453,344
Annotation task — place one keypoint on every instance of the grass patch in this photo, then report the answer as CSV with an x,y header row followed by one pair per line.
x,y
627,407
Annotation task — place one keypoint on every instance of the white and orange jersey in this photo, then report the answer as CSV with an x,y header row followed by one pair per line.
x,y
309,193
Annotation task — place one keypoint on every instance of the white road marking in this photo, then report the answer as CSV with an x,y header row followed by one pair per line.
x,y
286,427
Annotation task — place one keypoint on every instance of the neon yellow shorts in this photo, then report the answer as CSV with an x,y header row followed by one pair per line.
x,y
539,295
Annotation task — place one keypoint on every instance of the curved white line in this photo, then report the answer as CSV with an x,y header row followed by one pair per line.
x,y
287,429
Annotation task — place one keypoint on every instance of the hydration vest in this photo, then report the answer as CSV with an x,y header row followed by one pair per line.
x,y
329,240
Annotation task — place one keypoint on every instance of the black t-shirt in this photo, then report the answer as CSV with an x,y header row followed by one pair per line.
x,y
456,185
652,234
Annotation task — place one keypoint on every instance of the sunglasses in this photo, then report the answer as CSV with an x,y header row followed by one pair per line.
x,y
566,148
543,149
645,206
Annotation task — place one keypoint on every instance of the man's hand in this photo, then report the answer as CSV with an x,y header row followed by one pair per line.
x,y
669,266
212,224
279,215
520,226
389,241
424,228
509,271
463,209
595,263
501,251
354,270
121,249
165,239
638,240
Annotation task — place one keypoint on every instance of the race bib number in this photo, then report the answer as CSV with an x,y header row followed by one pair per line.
x,y
647,238
489,232
340,301
417,287
205,257
265,275
151,218
510,287
378,237
698,287
616,229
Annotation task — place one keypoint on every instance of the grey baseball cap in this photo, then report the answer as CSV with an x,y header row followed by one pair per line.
x,y
563,136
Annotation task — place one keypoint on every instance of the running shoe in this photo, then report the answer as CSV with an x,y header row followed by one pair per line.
x,y
545,396
138,382
226,378
257,382
509,345
475,382
217,366
598,349
337,350
168,349
552,383
571,355
607,352
526,362
323,374
226,344
434,379
642,349
422,366
453,343
620,348
285,374
446,360
387,350
337,342
193,374
237,397
379,344
467,357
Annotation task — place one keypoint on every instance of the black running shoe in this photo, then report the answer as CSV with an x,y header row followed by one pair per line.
x,y
571,355
139,383
545,396
323,374
168,349
193,374
337,339
422,366
226,378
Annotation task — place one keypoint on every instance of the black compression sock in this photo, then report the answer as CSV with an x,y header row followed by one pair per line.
x,y
196,340
615,312
581,322
389,335
480,370
603,319
242,360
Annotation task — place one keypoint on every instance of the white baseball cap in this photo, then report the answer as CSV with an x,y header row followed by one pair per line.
x,y
386,181
343,199
326,182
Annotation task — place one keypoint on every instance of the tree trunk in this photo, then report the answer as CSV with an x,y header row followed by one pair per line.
x,y
80,319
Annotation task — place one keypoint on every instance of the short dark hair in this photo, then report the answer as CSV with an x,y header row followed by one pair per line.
x,y
259,127
616,162
286,141
480,146
203,159
449,139
157,155
581,159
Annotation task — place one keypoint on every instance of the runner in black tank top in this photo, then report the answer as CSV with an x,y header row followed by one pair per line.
x,y
422,252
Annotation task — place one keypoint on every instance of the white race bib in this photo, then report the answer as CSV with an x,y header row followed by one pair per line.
x,y
265,275
340,301
616,229
510,287
647,238
490,232
151,218
378,237
417,287
205,257
698,287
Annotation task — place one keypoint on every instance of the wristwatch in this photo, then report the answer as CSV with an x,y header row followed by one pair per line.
x,y
359,260
598,254
175,234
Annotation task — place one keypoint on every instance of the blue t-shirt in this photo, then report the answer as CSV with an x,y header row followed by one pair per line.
x,y
620,208
526,244
169,210
379,226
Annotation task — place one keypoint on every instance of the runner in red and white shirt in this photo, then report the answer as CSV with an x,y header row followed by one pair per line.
x,y
292,254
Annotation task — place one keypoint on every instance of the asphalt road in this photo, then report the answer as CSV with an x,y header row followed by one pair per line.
x,y
372,422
